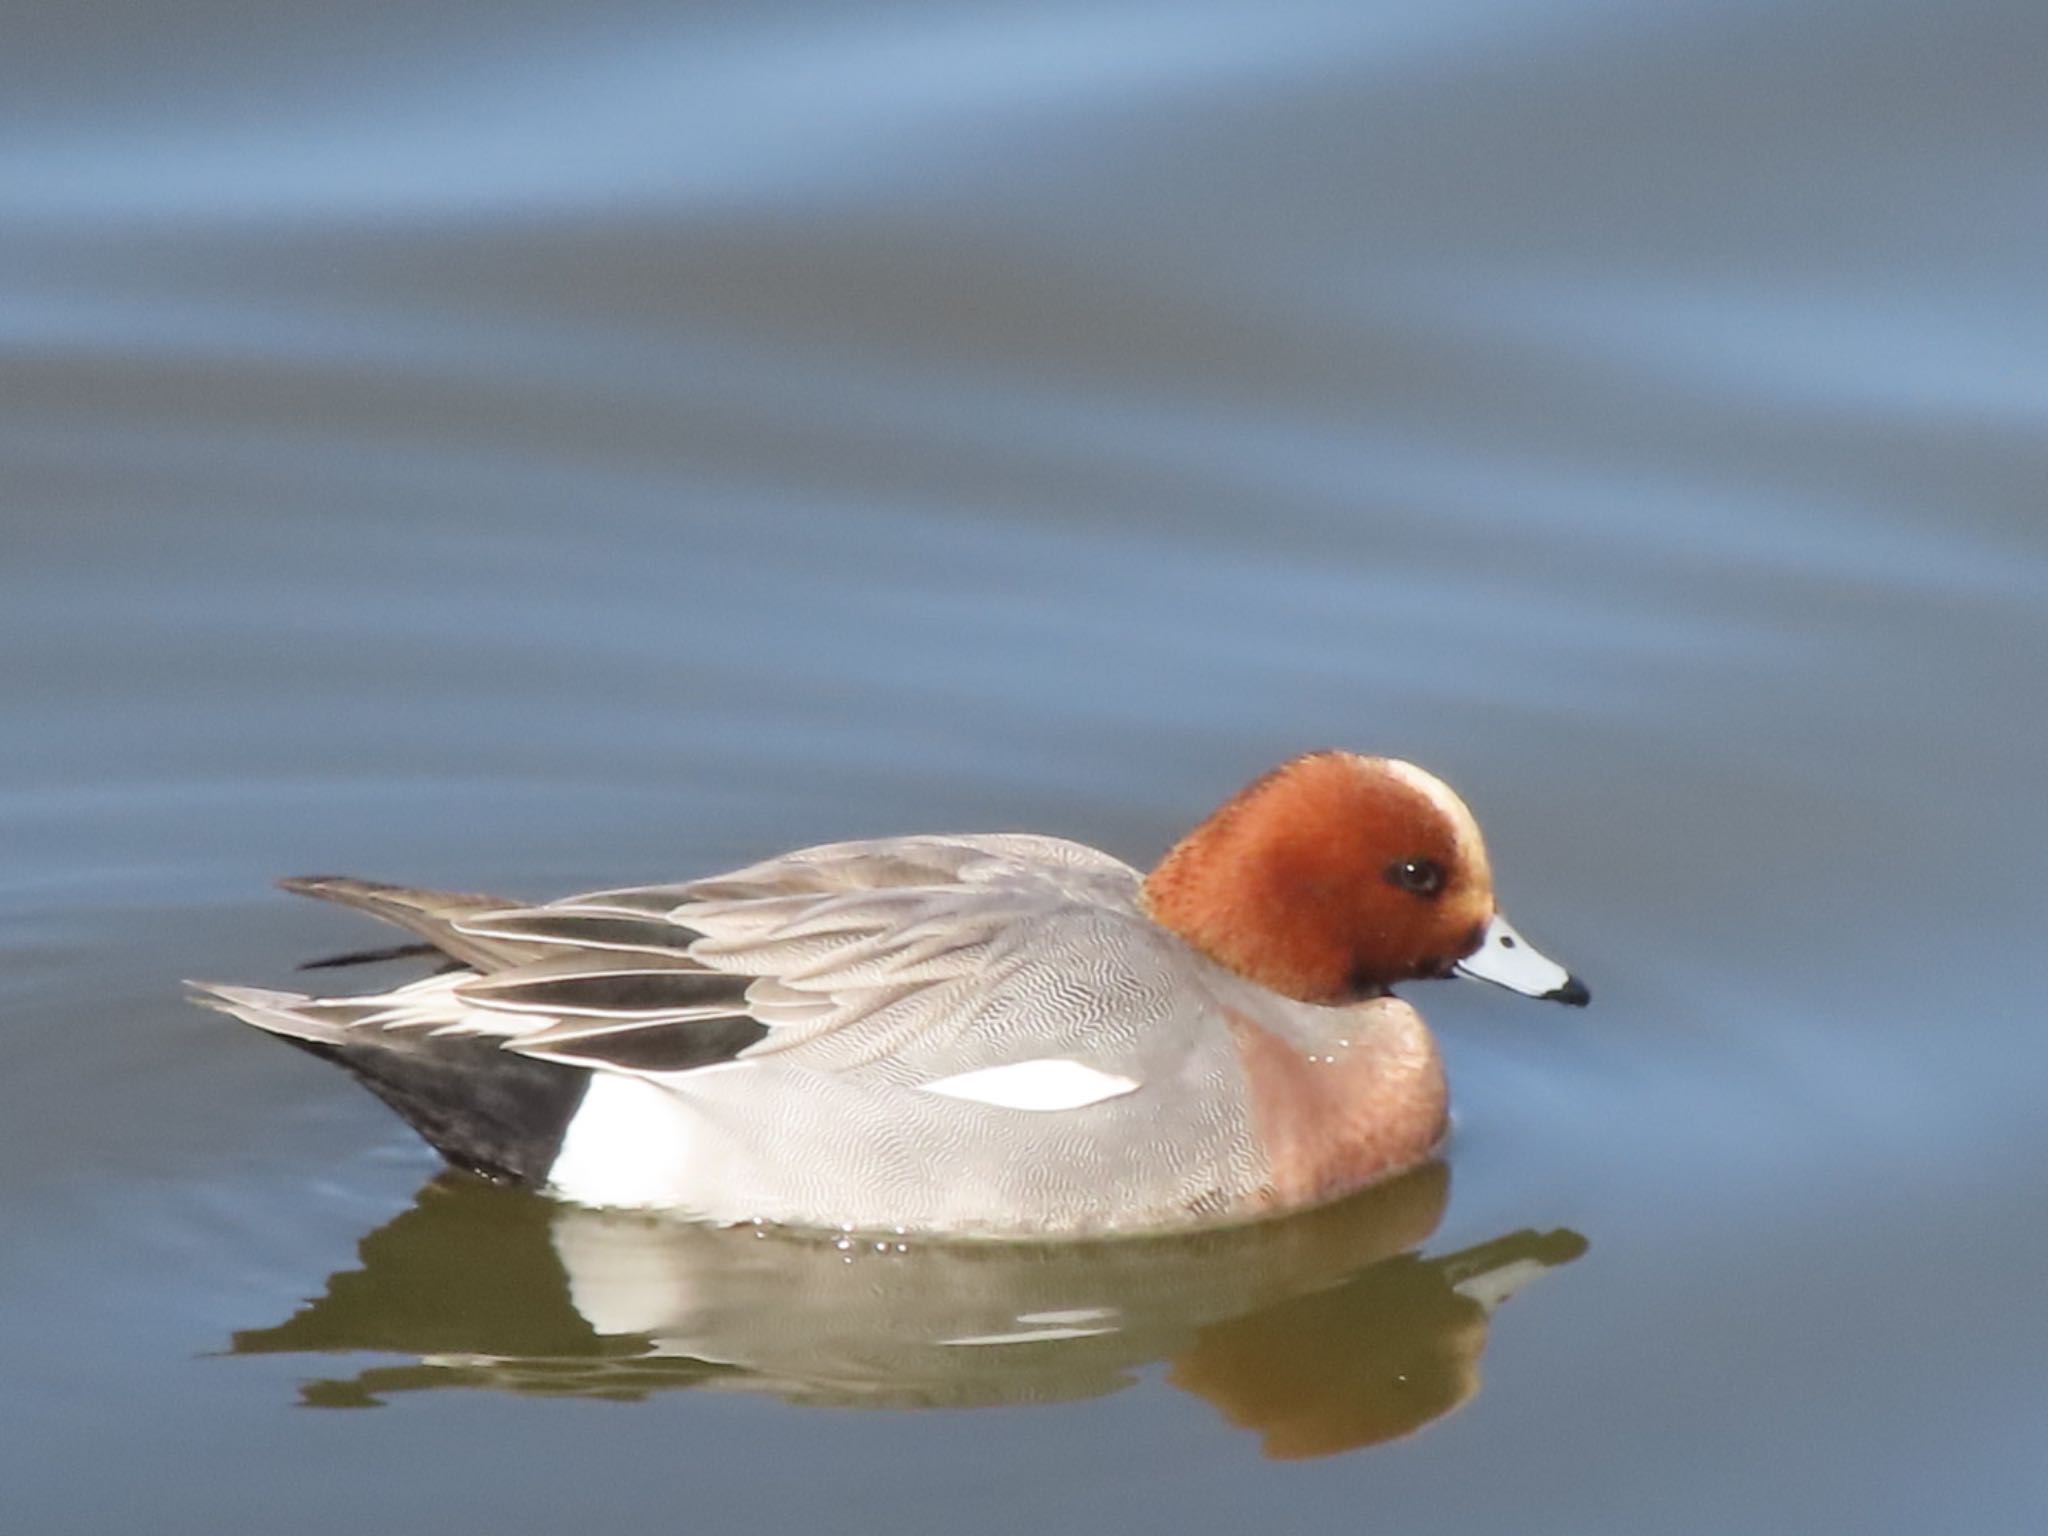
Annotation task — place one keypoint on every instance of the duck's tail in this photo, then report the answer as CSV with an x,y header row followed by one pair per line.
x,y
483,1108
432,915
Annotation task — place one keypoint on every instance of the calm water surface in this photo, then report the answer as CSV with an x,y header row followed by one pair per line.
x,y
525,449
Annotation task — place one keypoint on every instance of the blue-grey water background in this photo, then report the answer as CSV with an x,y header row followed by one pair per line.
x,y
523,447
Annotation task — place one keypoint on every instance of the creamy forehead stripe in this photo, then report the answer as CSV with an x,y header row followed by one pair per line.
x,y
1051,1083
1439,794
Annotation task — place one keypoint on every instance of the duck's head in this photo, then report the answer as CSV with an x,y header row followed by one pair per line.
x,y
1335,876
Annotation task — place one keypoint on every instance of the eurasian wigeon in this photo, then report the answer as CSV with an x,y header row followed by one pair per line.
x,y
993,1034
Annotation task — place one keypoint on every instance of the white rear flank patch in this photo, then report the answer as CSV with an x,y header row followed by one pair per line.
x,y
633,1143
1049,1084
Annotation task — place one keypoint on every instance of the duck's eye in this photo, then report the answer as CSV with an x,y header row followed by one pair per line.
x,y
1425,877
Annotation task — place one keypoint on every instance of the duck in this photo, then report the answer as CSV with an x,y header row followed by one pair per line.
x,y
972,1035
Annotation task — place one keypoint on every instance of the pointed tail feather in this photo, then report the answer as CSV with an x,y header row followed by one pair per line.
x,y
432,915
290,1014
477,1104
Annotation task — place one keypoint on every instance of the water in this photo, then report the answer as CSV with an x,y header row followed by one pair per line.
x,y
526,450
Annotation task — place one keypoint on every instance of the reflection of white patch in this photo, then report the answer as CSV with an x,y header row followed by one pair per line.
x,y
1031,1336
1493,1286
1505,959
1053,1083
623,1278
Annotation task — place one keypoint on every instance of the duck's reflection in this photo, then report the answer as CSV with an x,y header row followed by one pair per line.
x,y
1320,1333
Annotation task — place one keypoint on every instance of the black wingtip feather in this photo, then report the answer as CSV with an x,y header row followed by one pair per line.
x,y
369,956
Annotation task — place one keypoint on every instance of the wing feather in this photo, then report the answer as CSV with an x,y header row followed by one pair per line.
x,y
579,930
586,985
835,956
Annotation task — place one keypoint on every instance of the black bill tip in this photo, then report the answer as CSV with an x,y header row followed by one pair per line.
x,y
1573,994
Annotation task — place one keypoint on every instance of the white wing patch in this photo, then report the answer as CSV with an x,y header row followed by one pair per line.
x,y
1049,1084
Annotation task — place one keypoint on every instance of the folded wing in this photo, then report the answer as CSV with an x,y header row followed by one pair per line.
x,y
834,956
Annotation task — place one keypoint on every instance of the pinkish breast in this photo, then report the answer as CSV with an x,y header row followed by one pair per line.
x,y
1348,1110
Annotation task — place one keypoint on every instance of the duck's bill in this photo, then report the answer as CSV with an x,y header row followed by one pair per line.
x,y
1506,959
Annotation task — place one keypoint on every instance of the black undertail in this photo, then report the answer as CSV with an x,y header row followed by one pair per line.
x,y
485,1109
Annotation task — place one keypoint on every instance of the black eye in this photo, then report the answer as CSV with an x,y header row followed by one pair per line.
x,y
1425,877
